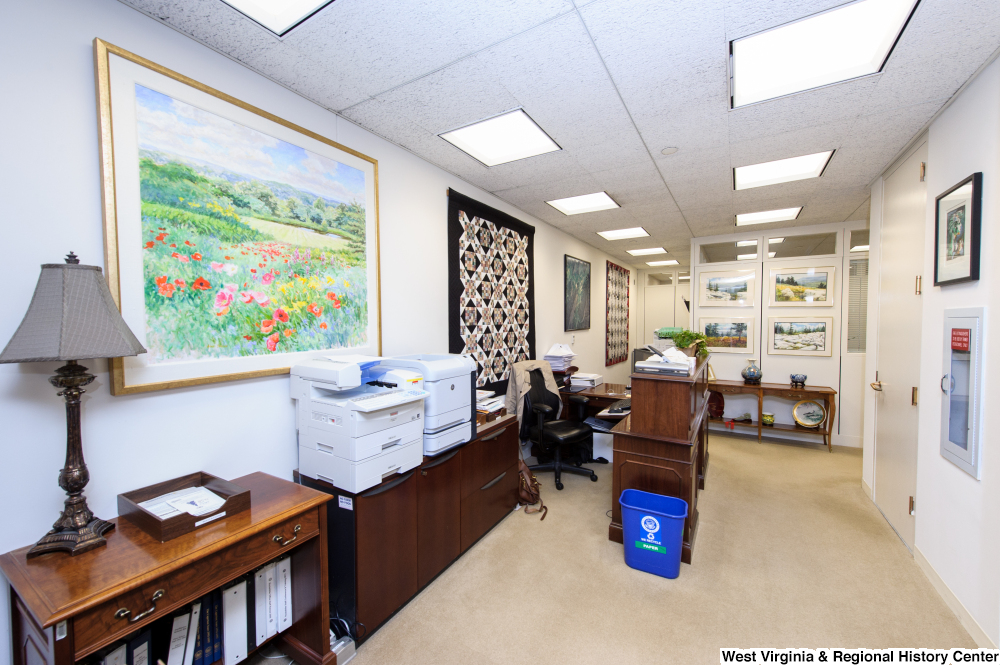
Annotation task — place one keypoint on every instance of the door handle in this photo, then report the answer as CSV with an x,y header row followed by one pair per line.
x,y
877,386
951,384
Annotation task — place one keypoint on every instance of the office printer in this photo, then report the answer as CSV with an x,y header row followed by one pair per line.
x,y
450,408
358,420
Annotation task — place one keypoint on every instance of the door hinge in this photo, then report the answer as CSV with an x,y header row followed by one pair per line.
x,y
913,506
913,396
920,282
923,171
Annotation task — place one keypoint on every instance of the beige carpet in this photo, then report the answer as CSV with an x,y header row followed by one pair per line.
x,y
789,553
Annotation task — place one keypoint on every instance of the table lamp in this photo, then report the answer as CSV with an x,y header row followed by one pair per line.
x,y
72,317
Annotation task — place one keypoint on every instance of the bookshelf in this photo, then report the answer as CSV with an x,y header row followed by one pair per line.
x,y
64,609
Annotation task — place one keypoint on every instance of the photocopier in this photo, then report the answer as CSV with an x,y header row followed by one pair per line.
x,y
450,407
359,420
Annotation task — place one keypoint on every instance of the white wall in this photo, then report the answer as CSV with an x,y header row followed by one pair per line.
x,y
51,191
957,516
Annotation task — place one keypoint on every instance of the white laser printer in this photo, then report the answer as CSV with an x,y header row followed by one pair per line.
x,y
450,407
358,420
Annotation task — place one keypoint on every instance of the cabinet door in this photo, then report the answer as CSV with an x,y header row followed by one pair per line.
x,y
386,531
487,457
487,505
439,496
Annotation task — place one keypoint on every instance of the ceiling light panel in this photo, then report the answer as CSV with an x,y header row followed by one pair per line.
x,y
768,216
775,241
770,255
504,138
623,234
670,262
844,43
647,251
746,243
278,16
860,248
576,205
745,257
782,170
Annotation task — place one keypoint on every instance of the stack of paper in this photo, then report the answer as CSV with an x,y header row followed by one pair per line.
x,y
193,500
586,380
490,404
560,356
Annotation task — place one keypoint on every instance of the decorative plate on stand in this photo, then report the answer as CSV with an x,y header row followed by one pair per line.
x,y
808,413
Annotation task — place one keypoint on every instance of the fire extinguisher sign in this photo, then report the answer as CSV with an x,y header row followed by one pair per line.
x,y
960,339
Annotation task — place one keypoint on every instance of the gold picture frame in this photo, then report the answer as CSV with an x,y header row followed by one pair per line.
x,y
113,194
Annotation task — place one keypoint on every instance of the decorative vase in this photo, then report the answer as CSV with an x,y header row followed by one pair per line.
x,y
798,380
767,418
751,373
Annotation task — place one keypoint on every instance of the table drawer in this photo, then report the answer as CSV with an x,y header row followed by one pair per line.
x,y
730,390
99,626
791,394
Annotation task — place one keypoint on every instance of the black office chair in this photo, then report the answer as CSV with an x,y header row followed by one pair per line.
x,y
556,437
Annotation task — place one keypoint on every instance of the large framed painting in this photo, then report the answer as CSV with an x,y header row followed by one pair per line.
x,y
798,336
491,312
957,219
726,288
616,333
728,335
576,293
237,243
802,287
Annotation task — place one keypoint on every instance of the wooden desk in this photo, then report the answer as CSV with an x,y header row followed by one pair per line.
x,y
63,608
601,397
783,391
662,446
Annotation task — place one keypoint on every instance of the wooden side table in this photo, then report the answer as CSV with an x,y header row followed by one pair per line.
x,y
64,608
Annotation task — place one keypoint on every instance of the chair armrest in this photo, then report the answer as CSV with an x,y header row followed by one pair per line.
x,y
542,409
578,399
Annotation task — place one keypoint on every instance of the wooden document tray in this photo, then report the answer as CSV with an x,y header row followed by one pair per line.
x,y
237,500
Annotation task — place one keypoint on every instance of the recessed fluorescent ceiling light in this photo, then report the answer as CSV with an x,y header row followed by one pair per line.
x,y
684,277
774,241
744,257
784,215
575,205
278,16
622,234
671,262
843,43
746,243
859,248
770,255
647,251
505,138
782,170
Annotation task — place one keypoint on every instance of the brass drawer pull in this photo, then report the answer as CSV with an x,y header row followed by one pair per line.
x,y
281,540
124,613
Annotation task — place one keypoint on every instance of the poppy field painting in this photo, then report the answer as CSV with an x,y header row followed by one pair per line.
x,y
239,244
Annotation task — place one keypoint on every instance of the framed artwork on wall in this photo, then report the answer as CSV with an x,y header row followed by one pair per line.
x,y
802,287
616,333
800,336
237,244
576,293
728,335
726,288
957,219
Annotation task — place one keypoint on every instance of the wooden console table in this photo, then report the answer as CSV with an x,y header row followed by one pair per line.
x,y
64,608
662,446
783,391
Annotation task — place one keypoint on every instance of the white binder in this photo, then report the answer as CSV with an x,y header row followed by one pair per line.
x,y
234,623
283,573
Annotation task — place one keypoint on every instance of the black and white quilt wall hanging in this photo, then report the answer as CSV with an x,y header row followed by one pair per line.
x,y
616,340
491,310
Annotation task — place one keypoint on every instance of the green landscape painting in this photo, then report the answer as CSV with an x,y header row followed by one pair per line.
x,y
251,245
577,293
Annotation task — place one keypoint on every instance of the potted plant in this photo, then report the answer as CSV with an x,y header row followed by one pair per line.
x,y
691,342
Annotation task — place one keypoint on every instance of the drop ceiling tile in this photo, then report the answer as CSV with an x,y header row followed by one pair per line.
x,y
745,18
818,138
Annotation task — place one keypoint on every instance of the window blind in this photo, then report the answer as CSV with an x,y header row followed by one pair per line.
x,y
857,306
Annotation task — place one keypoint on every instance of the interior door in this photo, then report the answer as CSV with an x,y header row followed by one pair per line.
x,y
659,310
904,212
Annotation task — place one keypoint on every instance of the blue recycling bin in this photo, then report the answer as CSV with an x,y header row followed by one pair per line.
x,y
654,532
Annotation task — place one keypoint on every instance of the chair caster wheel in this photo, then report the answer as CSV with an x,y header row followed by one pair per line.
x,y
593,477
559,486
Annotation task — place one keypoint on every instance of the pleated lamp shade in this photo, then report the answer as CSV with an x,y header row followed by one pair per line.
x,y
71,317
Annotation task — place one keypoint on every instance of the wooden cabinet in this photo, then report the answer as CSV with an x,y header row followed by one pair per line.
x,y
662,446
390,541
439,515
63,608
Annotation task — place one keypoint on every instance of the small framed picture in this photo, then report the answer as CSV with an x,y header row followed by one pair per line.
x,y
728,335
727,288
799,336
802,287
576,293
956,232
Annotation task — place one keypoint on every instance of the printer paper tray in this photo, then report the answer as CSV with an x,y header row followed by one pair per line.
x,y
362,447
358,476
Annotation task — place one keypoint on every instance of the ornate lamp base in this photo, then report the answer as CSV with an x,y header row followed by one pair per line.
x,y
76,530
